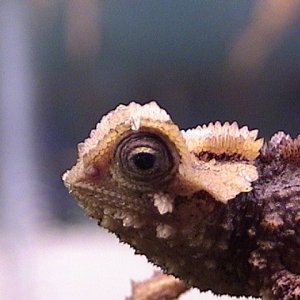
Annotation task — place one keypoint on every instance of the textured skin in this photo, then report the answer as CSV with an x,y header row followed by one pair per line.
x,y
218,209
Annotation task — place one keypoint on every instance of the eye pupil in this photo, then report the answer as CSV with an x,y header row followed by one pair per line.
x,y
144,160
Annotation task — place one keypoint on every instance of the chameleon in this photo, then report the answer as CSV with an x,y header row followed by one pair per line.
x,y
215,206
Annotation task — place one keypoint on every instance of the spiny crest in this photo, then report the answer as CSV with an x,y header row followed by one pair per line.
x,y
130,115
282,146
291,151
226,139
226,155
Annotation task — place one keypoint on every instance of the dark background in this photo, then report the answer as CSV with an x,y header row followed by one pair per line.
x,y
200,60
66,63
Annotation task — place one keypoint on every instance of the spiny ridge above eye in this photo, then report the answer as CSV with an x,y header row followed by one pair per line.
x,y
130,115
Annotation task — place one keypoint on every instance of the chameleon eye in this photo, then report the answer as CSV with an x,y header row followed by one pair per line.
x,y
145,158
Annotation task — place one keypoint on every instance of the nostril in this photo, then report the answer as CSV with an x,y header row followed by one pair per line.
x,y
92,171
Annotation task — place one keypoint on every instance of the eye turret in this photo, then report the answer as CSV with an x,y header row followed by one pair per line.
x,y
145,158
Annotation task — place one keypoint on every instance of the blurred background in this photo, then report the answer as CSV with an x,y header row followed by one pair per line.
x,y
65,63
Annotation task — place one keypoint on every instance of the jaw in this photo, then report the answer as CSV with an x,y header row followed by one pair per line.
x,y
110,204
186,243
178,241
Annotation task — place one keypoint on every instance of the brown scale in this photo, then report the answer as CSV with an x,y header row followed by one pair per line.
x,y
207,156
213,205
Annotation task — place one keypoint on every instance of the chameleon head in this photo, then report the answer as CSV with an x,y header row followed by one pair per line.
x,y
137,161
130,160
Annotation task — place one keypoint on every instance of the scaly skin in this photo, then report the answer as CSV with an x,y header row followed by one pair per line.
x,y
211,205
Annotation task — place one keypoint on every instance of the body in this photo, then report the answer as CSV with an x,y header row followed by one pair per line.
x,y
211,206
